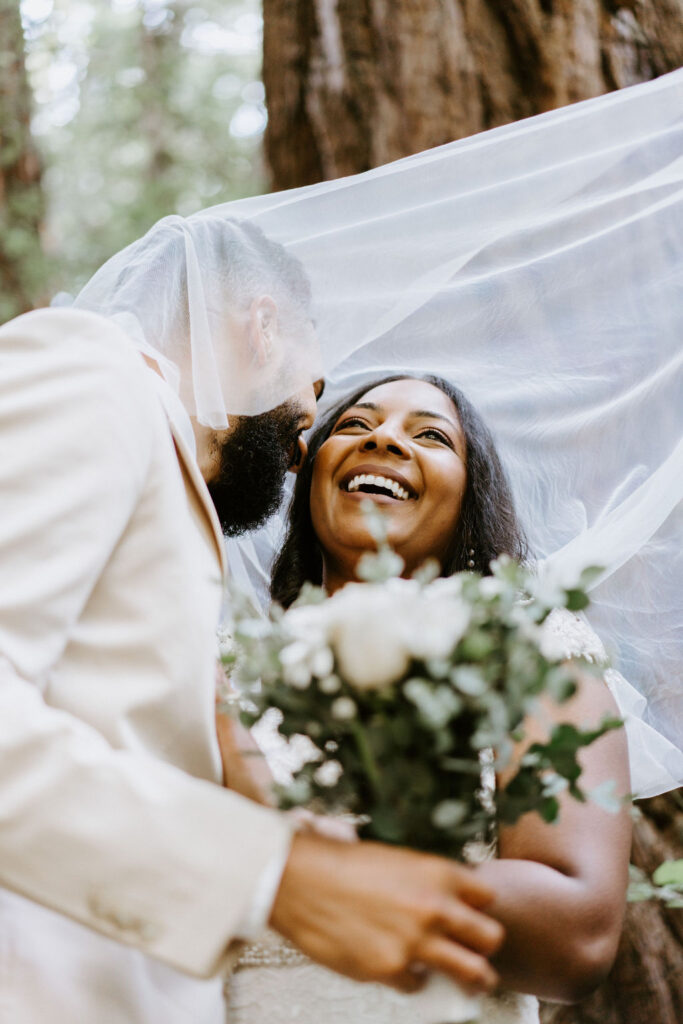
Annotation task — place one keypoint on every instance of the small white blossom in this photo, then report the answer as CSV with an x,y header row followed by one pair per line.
x,y
490,587
297,676
330,684
294,654
322,662
295,667
226,644
328,773
343,709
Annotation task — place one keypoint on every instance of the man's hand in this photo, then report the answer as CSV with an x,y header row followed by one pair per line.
x,y
376,913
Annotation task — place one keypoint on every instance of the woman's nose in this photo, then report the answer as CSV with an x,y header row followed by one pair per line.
x,y
383,438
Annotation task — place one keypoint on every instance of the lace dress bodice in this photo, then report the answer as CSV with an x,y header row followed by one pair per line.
x,y
273,983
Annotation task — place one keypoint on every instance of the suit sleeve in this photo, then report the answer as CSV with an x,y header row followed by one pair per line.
x,y
117,840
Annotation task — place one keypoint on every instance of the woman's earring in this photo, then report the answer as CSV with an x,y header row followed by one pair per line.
x,y
470,558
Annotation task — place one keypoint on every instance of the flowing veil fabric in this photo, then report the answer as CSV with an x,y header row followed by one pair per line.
x,y
540,267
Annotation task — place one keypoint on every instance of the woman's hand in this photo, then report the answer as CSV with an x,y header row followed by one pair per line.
x,y
244,767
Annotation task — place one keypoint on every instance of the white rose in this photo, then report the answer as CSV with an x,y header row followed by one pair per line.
x,y
368,625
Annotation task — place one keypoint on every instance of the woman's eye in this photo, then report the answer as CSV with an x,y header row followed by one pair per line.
x,y
436,435
352,421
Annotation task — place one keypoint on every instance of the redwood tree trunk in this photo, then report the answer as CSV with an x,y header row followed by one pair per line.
x,y
22,268
351,84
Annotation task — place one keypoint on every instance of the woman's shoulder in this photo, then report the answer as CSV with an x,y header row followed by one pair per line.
x,y
566,635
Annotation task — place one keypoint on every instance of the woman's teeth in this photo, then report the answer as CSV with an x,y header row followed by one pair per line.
x,y
382,483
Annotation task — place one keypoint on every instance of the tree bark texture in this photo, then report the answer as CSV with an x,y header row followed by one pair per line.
x,y
22,267
351,84
646,982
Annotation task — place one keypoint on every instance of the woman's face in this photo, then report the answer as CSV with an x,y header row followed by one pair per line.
x,y
403,447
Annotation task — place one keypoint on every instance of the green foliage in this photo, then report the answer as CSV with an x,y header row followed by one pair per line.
x,y
666,884
143,108
22,264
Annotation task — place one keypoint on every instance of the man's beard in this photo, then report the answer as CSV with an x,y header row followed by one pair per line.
x,y
253,465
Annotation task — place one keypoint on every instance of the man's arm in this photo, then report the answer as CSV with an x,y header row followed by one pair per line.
x,y
379,913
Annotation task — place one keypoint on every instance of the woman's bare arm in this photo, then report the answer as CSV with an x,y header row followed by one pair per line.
x,y
560,888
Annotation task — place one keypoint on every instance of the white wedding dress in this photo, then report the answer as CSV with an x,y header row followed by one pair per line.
x,y
273,983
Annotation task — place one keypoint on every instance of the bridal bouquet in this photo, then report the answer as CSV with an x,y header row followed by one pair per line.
x,y
406,687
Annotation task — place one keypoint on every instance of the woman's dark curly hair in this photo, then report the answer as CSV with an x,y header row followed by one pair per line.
x,y
487,523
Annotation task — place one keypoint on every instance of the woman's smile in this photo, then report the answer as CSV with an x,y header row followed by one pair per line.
x,y
371,480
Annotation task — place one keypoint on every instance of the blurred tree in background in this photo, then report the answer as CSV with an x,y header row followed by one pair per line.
x,y
353,85
22,266
141,108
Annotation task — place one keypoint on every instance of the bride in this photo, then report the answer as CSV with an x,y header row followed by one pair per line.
x,y
421,452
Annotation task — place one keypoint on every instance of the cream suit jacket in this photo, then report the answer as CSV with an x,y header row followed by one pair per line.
x,y
125,868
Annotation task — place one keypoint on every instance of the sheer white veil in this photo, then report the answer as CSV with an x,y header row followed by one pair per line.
x,y
538,266
189,293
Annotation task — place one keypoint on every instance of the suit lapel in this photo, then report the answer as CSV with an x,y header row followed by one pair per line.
x,y
181,431
189,463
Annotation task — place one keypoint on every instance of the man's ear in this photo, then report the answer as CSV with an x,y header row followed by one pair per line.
x,y
262,328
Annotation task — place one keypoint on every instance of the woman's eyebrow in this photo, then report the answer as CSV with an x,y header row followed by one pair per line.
x,y
427,414
414,413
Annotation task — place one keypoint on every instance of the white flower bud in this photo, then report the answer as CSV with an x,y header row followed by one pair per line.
x,y
330,684
322,662
343,709
328,773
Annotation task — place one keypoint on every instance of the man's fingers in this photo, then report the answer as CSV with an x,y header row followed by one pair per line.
x,y
463,965
470,887
411,980
469,927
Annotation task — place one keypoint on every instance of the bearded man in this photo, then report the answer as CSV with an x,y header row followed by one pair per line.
x,y
127,871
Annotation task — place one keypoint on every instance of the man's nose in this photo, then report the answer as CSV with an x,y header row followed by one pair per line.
x,y
310,403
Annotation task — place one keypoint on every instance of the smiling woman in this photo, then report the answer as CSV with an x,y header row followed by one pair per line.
x,y
420,450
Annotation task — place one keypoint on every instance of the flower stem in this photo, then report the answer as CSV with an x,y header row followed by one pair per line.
x,y
367,759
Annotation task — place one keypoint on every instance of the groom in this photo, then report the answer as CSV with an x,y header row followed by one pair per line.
x,y
126,871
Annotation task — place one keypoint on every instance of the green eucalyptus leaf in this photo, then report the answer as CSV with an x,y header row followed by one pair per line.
x,y
449,813
669,873
577,600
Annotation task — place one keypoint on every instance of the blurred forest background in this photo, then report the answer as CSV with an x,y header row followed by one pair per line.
x,y
113,114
